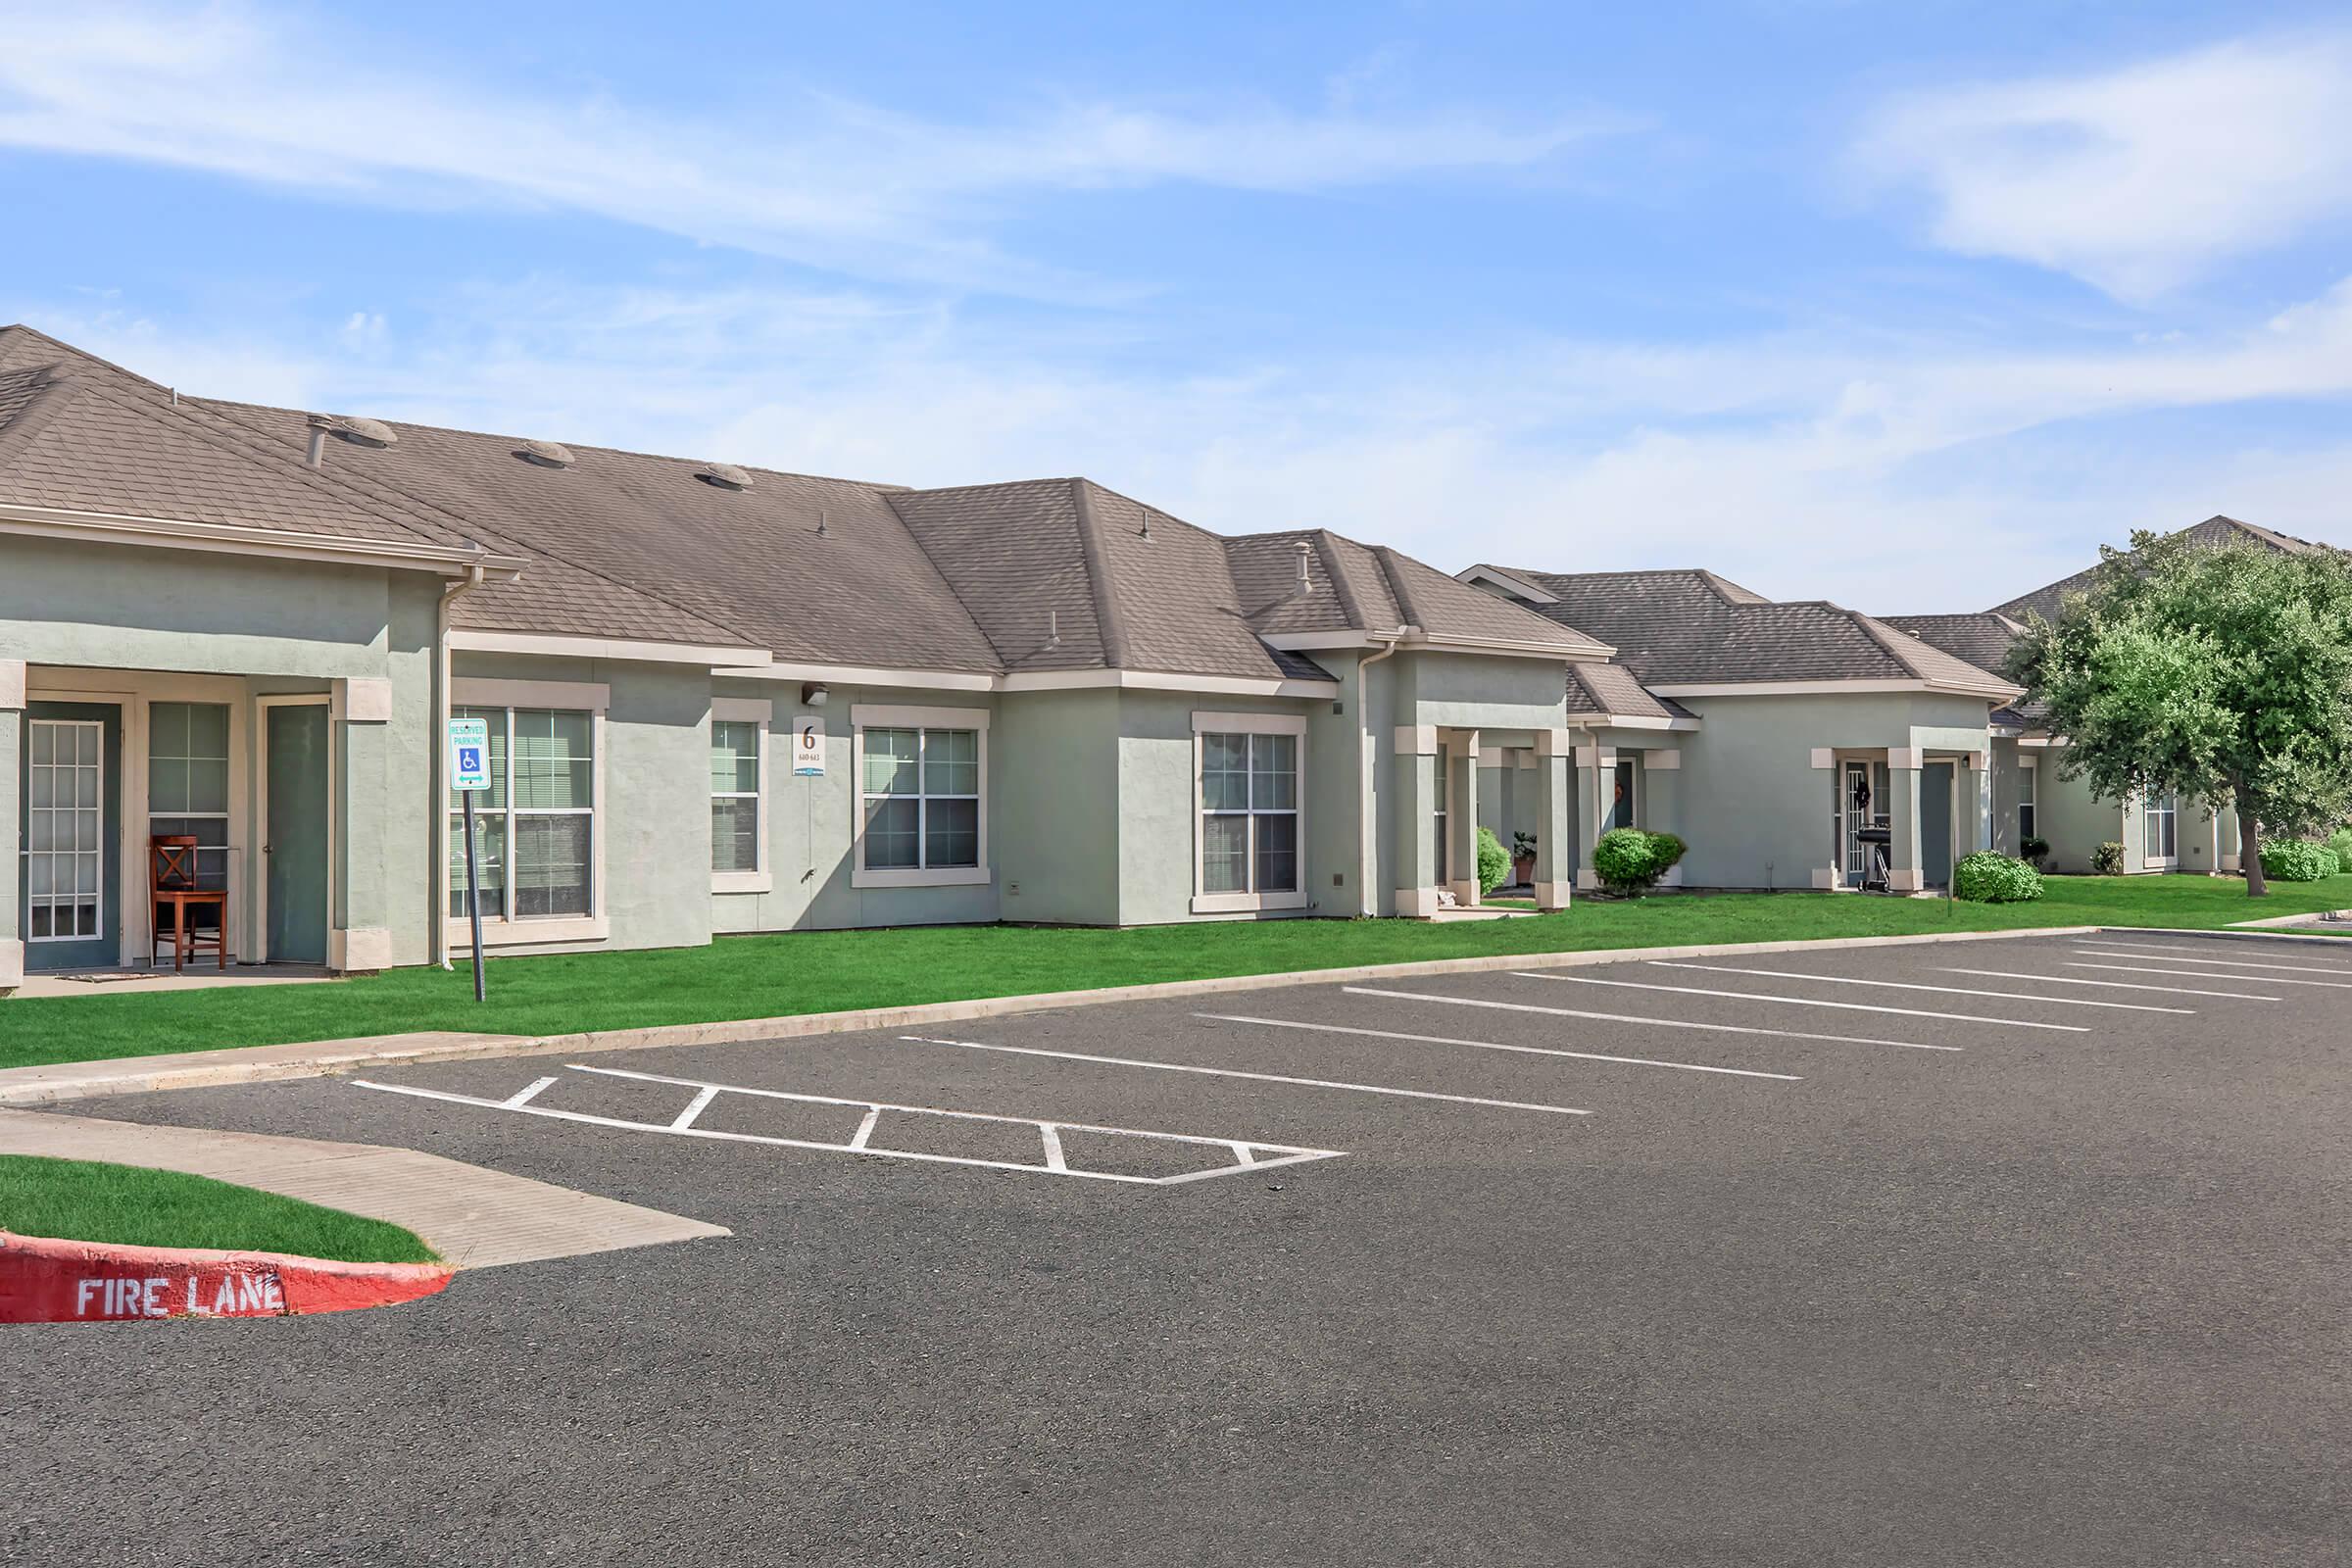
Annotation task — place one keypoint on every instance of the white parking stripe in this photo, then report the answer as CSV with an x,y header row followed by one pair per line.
x,y
2205,974
2132,950
2115,985
1807,1001
1667,1023
1904,985
1529,1051
695,1107
525,1095
1261,1077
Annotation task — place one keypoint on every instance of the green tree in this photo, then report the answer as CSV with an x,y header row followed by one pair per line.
x,y
2222,673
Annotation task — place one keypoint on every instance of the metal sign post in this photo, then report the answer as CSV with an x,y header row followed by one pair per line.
x,y
468,775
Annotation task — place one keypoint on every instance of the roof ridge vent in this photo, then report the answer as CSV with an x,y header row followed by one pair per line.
x,y
726,477
545,454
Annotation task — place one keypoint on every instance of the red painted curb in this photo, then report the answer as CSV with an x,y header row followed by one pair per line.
x,y
48,1281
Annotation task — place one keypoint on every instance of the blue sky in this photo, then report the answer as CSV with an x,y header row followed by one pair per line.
x,y
1906,305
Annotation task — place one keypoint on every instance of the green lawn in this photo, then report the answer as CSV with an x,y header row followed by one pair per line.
x,y
764,976
83,1200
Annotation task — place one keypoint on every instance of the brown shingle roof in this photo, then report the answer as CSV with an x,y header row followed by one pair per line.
x,y
1033,576
1984,639
2214,530
1691,627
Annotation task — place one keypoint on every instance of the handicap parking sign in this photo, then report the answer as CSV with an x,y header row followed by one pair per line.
x,y
468,753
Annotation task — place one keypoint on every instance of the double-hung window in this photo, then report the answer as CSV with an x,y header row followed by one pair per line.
x,y
922,796
535,828
2026,779
188,786
1249,812
739,793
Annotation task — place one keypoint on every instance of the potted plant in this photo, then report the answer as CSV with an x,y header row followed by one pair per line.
x,y
1523,859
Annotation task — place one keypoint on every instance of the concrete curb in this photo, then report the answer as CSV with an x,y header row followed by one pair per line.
x,y
196,1069
2290,920
43,1280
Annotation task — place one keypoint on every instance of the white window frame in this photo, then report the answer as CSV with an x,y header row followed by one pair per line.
x,y
227,849
761,712
25,895
2028,802
574,696
869,715
2149,812
1212,723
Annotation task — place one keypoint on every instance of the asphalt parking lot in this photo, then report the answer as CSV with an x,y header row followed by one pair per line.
x,y
2029,1251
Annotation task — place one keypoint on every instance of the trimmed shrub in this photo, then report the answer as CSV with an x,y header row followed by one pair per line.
x,y
1625,859
1669,851
1493,862
2298,861
2035,851
1987,877
2107,860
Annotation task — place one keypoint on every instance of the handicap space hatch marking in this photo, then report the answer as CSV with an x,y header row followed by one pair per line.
x,y
1248,1155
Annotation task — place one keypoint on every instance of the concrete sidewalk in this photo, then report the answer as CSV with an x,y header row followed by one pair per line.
x,y
472,1216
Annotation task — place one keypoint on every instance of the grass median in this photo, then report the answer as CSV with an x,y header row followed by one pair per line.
x,y
85,1201
823,971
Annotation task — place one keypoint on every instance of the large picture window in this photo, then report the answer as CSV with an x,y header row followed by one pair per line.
x,y
535,827
1248,805
922,797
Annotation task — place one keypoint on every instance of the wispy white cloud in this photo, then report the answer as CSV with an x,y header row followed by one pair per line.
x,y
1897,474
271,97
2139,179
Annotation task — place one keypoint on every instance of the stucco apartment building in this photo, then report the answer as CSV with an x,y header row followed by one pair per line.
x,y
719,699
2157,832
1776,732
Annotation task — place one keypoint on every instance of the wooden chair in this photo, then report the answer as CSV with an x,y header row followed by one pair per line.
x,y
172,861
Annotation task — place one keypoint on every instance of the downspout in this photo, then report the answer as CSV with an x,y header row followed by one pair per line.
x,y
1366,858
450,595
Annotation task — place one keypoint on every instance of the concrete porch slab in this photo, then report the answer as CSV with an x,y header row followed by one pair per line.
x,y
132,982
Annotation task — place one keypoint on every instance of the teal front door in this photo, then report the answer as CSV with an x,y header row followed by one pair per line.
x,y
294,848
1936,823
70,864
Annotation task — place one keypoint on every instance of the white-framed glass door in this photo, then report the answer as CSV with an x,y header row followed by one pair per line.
x,y
2160,832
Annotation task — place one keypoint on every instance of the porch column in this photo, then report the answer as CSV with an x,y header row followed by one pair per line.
x,y
12,773
1829,876
1662,801
1461,823
1907,867
1415,771
1596,772
1554,812
360,936
1974,806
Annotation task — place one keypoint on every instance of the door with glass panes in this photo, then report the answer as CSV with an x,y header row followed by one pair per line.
x,y
70,849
